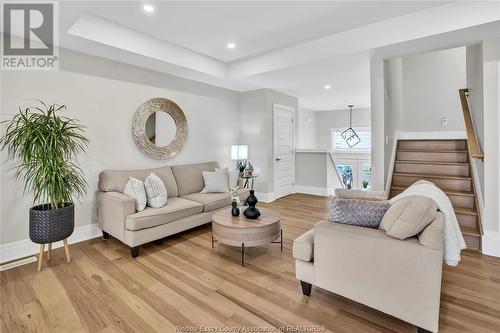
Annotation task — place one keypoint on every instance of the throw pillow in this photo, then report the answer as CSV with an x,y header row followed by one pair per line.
x,y
234,176
155,191
135,189
362,213
216,182
408,216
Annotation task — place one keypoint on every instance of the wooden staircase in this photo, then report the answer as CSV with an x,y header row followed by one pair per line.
x,y
446,164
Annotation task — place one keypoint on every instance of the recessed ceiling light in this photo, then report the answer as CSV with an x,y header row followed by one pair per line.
x,y
231,45
327,86
148,8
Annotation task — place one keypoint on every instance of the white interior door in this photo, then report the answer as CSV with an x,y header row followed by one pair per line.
x,y
284,157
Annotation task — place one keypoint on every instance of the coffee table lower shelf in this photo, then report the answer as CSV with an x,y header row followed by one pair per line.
x,y
243,246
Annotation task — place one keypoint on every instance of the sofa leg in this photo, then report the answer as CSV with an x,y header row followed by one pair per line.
x,y
105,235
422,330
134,251
306,288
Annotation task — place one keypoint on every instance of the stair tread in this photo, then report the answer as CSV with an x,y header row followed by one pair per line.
x,y
432,162
429,175
452,192
431,140
432,150
470,231
465,210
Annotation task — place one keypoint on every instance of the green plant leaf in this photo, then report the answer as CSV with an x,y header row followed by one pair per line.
x,y
44,146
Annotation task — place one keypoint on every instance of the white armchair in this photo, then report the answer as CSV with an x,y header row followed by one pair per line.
x,y
399,277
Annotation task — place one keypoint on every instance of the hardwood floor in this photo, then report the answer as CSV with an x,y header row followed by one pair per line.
x,y
184,282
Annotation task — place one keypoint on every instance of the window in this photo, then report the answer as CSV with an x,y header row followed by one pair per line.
x,y
339,144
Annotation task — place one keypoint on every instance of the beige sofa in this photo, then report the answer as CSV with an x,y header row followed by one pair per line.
x,y
399,277
186,207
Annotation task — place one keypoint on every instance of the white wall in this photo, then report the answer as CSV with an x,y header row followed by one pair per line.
x,y
430,90
491,86
311,169
393,99
257,131
377,89
104,95
306,129
326,120
474,72
414,93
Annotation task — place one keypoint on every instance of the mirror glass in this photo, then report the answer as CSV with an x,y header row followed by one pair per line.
x,y
160,128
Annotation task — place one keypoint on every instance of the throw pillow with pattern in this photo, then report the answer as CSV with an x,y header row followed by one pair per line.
x,y
362,213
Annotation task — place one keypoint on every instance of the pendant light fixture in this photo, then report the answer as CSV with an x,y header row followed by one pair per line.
x,y
349,135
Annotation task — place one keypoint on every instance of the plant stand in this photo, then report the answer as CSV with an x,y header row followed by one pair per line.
x,y
49,252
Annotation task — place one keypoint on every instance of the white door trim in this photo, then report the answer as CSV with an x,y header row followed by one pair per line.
x,y
277,107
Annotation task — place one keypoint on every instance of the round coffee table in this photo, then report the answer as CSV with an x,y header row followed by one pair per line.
x,y
242,232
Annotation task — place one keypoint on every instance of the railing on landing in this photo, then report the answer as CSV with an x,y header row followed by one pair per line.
x,y
475,150
335,169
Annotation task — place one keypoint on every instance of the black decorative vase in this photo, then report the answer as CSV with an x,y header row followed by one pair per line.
x,y
251,212
51,225
235,211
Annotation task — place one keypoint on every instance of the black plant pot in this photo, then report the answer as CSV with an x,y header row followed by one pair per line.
x,y
251,212
51,225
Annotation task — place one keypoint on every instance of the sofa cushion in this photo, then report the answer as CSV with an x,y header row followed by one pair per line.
x,y
303,246
408,216
188,177
363,213
115,180
213,201
175,209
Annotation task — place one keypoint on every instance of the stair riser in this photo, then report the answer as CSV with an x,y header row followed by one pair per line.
x,y
473,242
442,145
444,184
427,156
456,200
393,193
449,170
467,220
462,201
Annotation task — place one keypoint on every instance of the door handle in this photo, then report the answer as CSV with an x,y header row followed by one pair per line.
x,y
278,159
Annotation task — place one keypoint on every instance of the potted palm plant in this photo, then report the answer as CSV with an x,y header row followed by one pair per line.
x,y
44,146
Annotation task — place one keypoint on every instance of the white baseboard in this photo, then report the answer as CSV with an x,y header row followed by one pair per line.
x,y
265,197
331,192
323,191
490,242
25,247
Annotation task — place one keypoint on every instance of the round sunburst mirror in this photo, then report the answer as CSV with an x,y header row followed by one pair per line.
x,y
159,128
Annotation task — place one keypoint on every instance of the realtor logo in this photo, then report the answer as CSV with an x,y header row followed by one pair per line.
x,y
29,36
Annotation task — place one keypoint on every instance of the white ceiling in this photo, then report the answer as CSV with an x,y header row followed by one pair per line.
x,y
348,78
295,47
256,27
